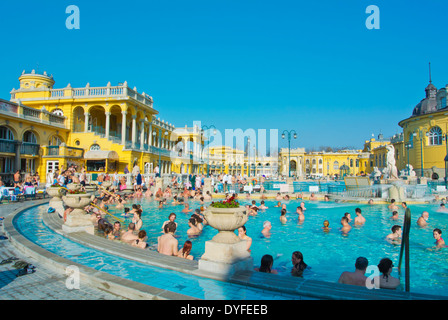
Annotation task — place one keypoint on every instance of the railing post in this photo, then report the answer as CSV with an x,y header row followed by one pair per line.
x,y
405,248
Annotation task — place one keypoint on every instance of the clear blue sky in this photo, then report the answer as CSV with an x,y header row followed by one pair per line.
x,y
312,66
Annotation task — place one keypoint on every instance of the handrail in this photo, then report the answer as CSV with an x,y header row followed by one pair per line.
x,y
405,248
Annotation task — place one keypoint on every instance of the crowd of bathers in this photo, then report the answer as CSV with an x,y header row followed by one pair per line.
x,y
167,243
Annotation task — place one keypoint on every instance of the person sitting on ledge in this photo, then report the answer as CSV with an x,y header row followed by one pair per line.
x,y
386,280
185,251
140,241
356,278
167,243
129,236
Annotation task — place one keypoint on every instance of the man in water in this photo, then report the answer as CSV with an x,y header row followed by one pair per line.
x,y
266,229
345,226
392,205
129,236
167,243
396,233
422,219
442,208
187,208
356,278
359,220
301,215
394,215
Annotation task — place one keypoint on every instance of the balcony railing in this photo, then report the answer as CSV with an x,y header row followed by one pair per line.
x,y
107,91
64,151
7,146
29,148
37,115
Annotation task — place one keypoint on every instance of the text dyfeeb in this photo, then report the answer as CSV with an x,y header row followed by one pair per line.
x,y
245,309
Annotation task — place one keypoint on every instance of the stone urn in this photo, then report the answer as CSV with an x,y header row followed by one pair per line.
x,y
106,184
226,253
74,186
78,219
54,192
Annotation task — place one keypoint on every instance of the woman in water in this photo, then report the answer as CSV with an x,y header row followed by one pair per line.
x,y
266,264
242,234
386,280
185,251
298,264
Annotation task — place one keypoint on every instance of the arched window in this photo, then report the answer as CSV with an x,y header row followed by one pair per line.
x,y
29,137
54,141
435,136
320,161
58,112
335,165
6,133
351,162
95,147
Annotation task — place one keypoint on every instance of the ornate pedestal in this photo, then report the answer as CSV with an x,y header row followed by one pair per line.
x,y
56,200
225,253
78,220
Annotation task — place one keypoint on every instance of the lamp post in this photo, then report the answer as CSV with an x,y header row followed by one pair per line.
x,y
248,157
255,162
408,146
204,128
289,146
445,138
420,133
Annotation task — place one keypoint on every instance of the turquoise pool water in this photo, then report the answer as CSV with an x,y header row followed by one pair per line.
x,y
328,254
30,224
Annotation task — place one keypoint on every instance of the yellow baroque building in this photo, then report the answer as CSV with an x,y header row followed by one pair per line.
x,y
104,129
225,159
322,164
425,134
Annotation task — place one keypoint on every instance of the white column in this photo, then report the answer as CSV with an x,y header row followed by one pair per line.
x,y
86,121
123,128
150,136
142,134
134,130
107,124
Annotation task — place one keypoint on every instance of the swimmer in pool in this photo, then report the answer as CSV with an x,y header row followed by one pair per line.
x,y
345,226
266,229
437,234
392,205
283,216
422,220
394,215
395,236
359,220
301,215
326,227
442,208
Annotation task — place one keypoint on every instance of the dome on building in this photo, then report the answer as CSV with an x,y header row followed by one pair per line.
x,y
429,104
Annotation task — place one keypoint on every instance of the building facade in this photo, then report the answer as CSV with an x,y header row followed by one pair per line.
x,y
425,134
